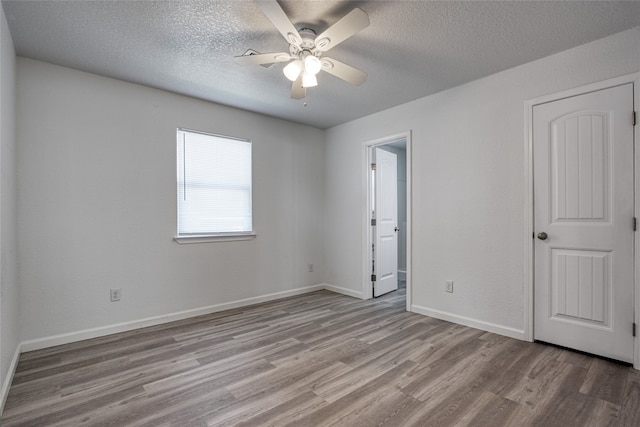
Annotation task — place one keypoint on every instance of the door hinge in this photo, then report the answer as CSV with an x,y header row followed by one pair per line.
x,y
373,166
634,118
635,223
373,277
634,329
373,222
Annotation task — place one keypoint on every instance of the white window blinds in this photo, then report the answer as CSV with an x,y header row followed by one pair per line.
x,y
214,184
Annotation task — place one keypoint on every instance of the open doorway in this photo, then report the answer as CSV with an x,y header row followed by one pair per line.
x,y
387,251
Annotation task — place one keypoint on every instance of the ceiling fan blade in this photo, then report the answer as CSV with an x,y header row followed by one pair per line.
x,y
350,24
263,58
280,20
343,71
297,91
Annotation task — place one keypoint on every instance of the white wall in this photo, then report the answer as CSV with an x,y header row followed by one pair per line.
x,y
97,206
468,184
9,292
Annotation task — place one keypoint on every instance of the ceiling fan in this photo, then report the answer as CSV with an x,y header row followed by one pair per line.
x,y
306,49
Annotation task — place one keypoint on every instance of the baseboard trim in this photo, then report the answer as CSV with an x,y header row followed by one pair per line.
x,y
473,323
4,393
40,343
343,291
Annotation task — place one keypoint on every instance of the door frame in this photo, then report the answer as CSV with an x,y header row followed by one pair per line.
x,y
529,265
367,149
387,221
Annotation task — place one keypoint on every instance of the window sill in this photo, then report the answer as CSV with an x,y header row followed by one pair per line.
x,y
212,238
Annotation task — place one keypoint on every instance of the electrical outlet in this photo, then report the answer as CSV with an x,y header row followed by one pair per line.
x,y
310,268
449,287
115,294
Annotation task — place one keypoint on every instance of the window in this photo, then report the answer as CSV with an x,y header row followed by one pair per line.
x,y
214,187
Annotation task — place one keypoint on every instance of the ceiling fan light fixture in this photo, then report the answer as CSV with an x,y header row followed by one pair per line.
x,y
309,80
312,64
305,57
293,69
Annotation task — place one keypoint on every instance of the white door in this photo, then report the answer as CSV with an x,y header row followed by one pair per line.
x,y
584,209
386,229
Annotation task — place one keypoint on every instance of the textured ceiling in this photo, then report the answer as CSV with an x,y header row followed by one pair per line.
x,y
410,50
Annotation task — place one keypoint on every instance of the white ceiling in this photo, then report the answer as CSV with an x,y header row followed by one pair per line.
x,y
410,50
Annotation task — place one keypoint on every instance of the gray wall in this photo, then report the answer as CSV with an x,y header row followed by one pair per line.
x,y
97,179
9,291
468,151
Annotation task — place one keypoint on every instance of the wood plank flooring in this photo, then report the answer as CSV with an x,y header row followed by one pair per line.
x,y
319,359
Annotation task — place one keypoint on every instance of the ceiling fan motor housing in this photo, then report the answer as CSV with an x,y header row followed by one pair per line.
x,y
308,44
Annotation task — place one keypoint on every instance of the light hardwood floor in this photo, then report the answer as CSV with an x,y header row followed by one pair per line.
x,y
317,360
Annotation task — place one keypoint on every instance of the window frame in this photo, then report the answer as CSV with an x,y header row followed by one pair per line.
x,y
207,237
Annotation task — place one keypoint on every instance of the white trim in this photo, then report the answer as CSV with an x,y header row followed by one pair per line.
x,y
528,224
365,216
467,321
367,292
581,90
4,393
343,291
636,163
409,234
633,78
39,343
217,135
210,238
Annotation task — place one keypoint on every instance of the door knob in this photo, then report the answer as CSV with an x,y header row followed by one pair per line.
x,y
542,235
396,229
